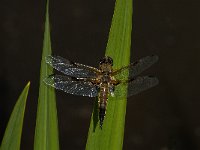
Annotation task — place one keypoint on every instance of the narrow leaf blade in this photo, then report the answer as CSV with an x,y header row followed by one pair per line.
x,y
12,136
118,47
46,132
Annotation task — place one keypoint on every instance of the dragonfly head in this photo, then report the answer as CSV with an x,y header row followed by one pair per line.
x,y
106,60
105,64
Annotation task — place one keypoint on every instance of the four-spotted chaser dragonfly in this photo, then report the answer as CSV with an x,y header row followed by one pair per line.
x,y
88,81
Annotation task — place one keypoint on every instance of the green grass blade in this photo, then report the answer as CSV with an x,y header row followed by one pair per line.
x,y
46,132
12,136
118,47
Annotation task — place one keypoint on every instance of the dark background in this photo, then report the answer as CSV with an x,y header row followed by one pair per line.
x,y
163,118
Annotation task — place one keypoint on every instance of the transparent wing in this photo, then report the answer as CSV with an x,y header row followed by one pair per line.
x,y
70,68
135,69
72,85
135,86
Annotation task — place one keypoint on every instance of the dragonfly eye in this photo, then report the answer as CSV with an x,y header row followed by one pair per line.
x,y
110,60
102,61
106,60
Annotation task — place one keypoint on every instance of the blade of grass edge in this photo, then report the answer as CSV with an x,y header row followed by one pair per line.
x,y
46,131
118,47
12,135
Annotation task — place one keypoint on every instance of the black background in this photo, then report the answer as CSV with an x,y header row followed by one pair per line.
x,y
163,118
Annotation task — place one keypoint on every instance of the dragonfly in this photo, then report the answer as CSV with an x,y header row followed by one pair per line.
x,y
102,82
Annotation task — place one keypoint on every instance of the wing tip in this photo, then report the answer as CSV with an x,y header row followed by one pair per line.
x,y
154,79
155,57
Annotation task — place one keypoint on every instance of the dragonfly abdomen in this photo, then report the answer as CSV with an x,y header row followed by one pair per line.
x,y
103,96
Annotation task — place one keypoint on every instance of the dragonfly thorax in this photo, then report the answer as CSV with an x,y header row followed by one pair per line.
x,y
105,68
105,78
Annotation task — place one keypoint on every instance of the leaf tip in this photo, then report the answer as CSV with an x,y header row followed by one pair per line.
x,y
28,84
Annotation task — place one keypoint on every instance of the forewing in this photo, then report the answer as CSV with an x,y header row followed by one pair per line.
x,y
72,86
135,86
136,68
70,68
